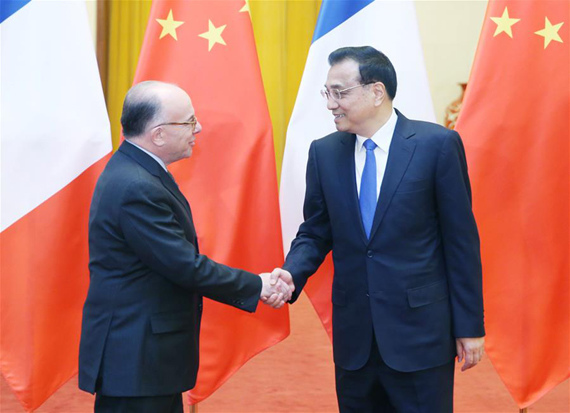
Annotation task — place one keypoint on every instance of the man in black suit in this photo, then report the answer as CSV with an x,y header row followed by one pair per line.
x,y
141,319
391,198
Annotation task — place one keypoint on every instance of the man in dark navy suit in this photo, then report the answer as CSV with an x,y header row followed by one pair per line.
x,y
391,198
141,319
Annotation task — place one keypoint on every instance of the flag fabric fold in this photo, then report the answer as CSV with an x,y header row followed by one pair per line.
x,y
514,123
55,138
208,49
390,27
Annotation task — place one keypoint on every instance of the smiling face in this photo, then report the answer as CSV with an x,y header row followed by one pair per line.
x,y
358,109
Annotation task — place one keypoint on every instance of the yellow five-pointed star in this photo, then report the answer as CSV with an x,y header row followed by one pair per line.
x,y
550,32
169,26
504,24
245,7
214,35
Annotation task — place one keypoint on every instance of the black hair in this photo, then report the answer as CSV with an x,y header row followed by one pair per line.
x,y
374,66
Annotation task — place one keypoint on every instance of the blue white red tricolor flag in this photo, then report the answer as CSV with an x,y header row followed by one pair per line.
x,y
55,136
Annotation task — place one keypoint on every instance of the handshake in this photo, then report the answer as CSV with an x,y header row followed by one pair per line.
x,y
277,287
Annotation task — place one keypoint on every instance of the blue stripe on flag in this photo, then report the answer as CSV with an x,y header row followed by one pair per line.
x,y
334,12
9,7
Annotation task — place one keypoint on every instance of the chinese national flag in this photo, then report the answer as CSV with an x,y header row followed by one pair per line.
x,y
515,125
208,49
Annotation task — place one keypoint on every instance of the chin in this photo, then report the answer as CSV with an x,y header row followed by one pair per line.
x,y
341,127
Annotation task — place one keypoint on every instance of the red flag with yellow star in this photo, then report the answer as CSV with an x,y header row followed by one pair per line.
x,y
515,125
208,49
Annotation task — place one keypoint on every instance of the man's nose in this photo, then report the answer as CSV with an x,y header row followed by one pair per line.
x,y
198,128
331,104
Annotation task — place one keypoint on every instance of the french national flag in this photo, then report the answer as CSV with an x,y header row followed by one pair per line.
x,y
55,138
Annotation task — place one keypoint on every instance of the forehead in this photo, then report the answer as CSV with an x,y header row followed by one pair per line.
x,y
343,74
177,104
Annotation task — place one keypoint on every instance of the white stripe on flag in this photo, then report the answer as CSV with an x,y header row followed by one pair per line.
x,y
54,120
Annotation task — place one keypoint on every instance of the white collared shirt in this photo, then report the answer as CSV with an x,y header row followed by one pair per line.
x,y
152,155
382,138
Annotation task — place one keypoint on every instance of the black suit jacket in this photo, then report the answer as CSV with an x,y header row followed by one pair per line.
x,y
141,319
416,283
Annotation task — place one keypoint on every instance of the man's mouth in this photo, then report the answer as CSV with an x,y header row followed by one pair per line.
x,y
338,116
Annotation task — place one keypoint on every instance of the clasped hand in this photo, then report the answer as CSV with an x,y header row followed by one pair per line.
x,y
277,287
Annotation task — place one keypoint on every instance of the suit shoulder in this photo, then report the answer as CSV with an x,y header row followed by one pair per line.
x,y
123,174
331,141
333,138
126,168
433,134
431,128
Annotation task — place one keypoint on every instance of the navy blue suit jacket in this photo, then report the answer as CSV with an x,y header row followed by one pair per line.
x,y
416,283
141,319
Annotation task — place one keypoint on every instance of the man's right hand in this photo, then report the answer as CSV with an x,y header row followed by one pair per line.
x,y
277,287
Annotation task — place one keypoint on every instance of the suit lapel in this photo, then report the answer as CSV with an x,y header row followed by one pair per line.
x,y
347,179
399,157
170,184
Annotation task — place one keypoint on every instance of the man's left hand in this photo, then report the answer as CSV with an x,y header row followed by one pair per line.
x,y
471,350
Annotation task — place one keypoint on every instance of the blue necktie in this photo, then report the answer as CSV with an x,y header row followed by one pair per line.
x,y
368,198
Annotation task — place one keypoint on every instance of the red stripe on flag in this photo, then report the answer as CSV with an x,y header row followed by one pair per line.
x,y
319,291
44,281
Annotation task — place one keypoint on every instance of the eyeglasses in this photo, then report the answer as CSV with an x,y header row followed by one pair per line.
x,y
336,94
191,123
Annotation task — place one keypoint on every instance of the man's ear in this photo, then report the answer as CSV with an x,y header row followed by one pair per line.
x,y
157,137
379,91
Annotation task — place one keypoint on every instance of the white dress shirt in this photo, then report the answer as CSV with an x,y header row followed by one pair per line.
x,y
382,138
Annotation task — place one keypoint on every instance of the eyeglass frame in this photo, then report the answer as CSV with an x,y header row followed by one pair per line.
x,y
192,123
325,93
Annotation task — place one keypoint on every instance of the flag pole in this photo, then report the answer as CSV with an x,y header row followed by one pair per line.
x,y
194,408
523,410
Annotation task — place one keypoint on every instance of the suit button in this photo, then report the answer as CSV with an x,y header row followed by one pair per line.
x,y
369,253
367,295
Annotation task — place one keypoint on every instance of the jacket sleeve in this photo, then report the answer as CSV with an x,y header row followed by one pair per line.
x,y
151,229
460,239
314,239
